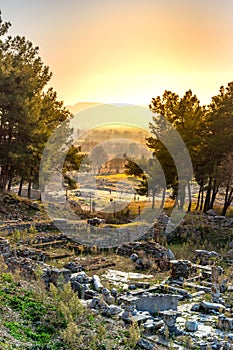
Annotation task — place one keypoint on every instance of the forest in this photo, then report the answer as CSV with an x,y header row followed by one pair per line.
x,y
28,111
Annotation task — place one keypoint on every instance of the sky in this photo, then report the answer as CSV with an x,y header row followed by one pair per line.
x,y
128,51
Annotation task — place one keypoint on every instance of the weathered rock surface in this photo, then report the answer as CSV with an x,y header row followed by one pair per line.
x,y
191,325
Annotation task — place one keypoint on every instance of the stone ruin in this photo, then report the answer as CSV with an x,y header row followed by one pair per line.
x,y
177,307
5,249
144,254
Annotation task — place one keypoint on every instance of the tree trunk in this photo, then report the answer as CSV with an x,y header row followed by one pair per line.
x,y
29,189
181,196
202,198
9,184
214,194
228,200
208,196
190,197
153,200
198,198
163,198
20,187
4,177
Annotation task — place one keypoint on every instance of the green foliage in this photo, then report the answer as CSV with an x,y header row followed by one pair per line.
x,y
7,277
208,136
70,335
28,113
134,334
36,321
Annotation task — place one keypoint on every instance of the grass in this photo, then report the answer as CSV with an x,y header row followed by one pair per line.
x,y
32,320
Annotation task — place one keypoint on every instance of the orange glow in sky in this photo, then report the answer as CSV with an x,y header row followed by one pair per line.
x,y
129,50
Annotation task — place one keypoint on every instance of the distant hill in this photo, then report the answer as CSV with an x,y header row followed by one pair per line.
x,y
92,114
80,106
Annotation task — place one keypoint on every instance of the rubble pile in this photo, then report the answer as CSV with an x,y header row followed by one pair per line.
x,y
34,254
216,219
180,269
144,254
26,266
204,257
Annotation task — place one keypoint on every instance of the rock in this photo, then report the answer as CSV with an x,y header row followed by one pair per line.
x,y
203,257
207,306
195,307
105,291
145,344
218,219
112,310
203,345
60,276
76,286
73,267
58,221
211,212
132,287
191,325
144,285
90,294
169,317
80,277
151,326
97,303
97,284
140,317
225,323
114,292
163,219
154,302
170,255
158,324
35,205
180,268
107,296
129,307
5,250
134,257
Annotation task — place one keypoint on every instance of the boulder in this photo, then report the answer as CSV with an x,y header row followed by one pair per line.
x,y
112,310
208,306
107,296
145,344
225,323
60,276
97,284
211,212
134,257
73,267
170,255
191,325
80,277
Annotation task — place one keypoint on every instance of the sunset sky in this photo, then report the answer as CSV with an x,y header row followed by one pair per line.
x,y
129,50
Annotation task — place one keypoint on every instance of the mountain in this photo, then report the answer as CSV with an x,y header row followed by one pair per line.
x,y
80,106
89,115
